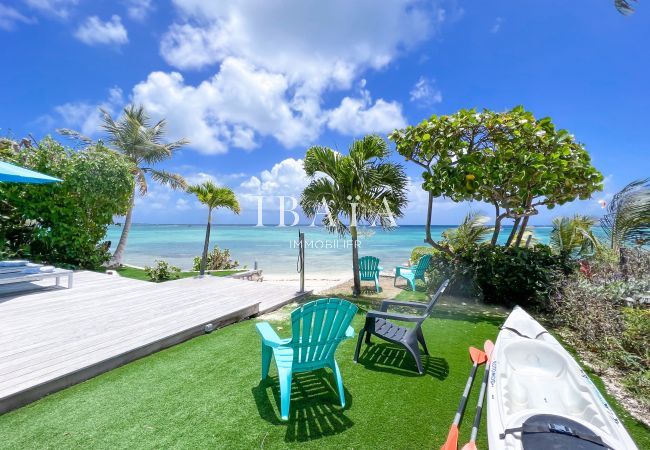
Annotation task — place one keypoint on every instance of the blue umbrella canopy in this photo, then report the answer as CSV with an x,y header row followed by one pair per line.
x,y
10,173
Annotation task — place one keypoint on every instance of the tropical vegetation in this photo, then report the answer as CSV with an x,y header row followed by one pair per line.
x,y
63,223
162,271
604,312
627,221
510,159
142,142
348,190
574,236
217,259
214,197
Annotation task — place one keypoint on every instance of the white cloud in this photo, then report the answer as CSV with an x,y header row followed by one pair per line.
x,y
182,204
58,8
10,17
425,92
276,62
158,197
138,9
287,178
85,116
94,31
320,42
497,25
356,116
228,109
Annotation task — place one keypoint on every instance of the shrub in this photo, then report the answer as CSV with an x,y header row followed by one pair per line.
x,y
63,223
419,252
162,271
636,334
217,260
516,275
590,310
501,275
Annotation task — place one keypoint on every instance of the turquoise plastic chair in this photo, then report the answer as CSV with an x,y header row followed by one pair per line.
x,y
369,269
317,328
413,273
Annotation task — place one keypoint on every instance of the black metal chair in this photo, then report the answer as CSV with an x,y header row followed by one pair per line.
x,y
378,323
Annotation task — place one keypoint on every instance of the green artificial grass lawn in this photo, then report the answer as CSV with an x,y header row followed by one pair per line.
x,y
206,393
140,274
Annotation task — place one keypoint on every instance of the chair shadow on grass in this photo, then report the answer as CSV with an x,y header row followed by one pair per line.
x,y
315,408
392,358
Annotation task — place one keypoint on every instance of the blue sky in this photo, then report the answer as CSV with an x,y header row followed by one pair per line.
x,y
253,84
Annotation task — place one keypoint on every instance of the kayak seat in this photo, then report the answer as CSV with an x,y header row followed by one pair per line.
x,y
380,323
535,358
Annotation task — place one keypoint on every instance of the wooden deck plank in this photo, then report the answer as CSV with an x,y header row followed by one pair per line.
x,y
55,337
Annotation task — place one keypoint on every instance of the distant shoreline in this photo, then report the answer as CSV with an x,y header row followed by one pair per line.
x,y
303,225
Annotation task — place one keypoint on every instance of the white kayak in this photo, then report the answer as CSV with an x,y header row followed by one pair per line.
x,y
540,398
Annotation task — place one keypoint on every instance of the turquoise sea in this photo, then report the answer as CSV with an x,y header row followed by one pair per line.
x,y
274,248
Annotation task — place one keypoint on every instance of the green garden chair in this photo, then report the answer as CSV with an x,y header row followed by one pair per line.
x,y
317,328
413,273
369,269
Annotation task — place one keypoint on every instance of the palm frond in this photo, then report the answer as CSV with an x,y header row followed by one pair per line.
x,y
323,160
140,181
173,180
214,196
362,178
627,220
624,6
574,235
470,232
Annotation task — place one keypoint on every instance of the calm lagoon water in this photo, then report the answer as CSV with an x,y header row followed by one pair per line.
x,y
275,248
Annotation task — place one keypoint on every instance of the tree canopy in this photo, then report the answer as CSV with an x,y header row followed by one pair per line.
x,y
64,223
509,159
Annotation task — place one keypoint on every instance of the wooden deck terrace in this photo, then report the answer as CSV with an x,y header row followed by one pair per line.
x,y
53,337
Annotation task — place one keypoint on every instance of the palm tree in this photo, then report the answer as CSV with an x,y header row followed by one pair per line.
x,y
134,136
628,215
353,188
574,235
470,232
213,197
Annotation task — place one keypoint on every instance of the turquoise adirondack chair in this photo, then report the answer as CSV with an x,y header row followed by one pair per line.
x,y
317,328
413,273
369,269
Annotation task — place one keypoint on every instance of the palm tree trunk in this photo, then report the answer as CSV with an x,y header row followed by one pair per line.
x,y
521,231
116,260
206,244
513,233
355,262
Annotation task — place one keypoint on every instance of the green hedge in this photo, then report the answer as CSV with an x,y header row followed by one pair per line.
x,y
501,275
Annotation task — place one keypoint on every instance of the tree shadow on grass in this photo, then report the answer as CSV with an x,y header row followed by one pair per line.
x,y
315,410
391,358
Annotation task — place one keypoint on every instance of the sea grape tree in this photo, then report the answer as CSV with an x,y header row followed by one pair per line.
x,y
509,159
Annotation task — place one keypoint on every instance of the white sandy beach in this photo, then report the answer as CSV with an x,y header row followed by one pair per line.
x,y
315,281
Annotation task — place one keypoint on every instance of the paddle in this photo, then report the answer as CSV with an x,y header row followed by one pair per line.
x,y
471,445
478,358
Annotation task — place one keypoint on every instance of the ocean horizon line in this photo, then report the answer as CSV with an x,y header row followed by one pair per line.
x,y
307,225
